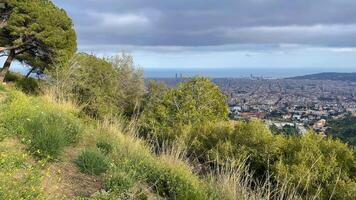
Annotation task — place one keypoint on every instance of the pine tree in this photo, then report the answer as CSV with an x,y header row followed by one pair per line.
x,y
35,33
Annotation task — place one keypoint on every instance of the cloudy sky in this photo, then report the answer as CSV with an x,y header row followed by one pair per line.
x,y
219,33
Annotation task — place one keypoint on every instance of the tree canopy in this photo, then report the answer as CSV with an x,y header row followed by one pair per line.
x,y
35,33
193,102
104,86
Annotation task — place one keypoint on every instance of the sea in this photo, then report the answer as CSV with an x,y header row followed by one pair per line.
x,y
225,72
266,72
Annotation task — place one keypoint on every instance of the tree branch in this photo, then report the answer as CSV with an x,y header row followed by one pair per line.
x,y
2,49
23,50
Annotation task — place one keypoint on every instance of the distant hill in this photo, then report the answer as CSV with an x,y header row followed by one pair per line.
x,y
329,76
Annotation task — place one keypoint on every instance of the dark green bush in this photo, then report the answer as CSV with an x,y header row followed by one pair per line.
x,y
92,161
28,85
104,146
12,77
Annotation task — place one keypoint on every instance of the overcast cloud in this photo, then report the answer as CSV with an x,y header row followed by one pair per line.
x,y
106,26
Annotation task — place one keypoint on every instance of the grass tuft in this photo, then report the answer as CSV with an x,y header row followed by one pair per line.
x,y
92,161
46,128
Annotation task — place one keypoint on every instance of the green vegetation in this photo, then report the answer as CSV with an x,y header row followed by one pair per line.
x,y
104,146
92,161
28,85
103,86
46,128
91,131
167,114
306,167
345,129
36,33
20,178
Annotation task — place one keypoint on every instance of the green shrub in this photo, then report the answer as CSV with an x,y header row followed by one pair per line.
x,y
194,102
168,177
103,86
104,146
28,85
12,77
319,166
120,182
92,161
50,134
227,142
46,128
2,89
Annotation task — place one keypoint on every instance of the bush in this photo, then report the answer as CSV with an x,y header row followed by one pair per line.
x,y
105,87
104,146
2,89
194,102
120,182
92,161
28,85
45,127
319,166
12,77
170,178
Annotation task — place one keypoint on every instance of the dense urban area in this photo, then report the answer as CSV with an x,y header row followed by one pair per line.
x,y
292,104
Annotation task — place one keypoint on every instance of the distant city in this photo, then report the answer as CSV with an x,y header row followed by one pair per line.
x,y
226,72
296,102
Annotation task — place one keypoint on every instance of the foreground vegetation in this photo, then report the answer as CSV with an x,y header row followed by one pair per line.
x,y
91,130
214,160
125,164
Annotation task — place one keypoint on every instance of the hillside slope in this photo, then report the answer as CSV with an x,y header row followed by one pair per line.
x,y
328,76
40,161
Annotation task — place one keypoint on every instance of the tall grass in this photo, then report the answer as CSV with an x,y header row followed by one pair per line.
x,y
171,174
45,127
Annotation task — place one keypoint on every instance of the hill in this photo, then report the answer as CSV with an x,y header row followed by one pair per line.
x,y
48,150
334,76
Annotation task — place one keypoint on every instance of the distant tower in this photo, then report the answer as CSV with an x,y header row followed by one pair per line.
x,y
176,75
181,75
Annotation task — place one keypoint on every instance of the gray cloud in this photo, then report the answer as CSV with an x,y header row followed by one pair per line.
x,y
192,23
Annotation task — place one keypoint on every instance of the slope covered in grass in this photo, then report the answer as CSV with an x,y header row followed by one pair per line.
x,y
52,137
20,175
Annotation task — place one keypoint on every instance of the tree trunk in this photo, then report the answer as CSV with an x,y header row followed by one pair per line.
x,y
7,65
29,72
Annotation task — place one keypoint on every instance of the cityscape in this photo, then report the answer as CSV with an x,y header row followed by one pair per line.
x,y
299,103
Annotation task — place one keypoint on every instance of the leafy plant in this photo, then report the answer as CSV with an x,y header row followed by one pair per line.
x,y
92,161
194,102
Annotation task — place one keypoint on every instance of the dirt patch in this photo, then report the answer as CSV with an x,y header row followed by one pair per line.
x,y
64,179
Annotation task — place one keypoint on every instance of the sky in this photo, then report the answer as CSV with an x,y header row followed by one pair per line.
x,y
197,34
